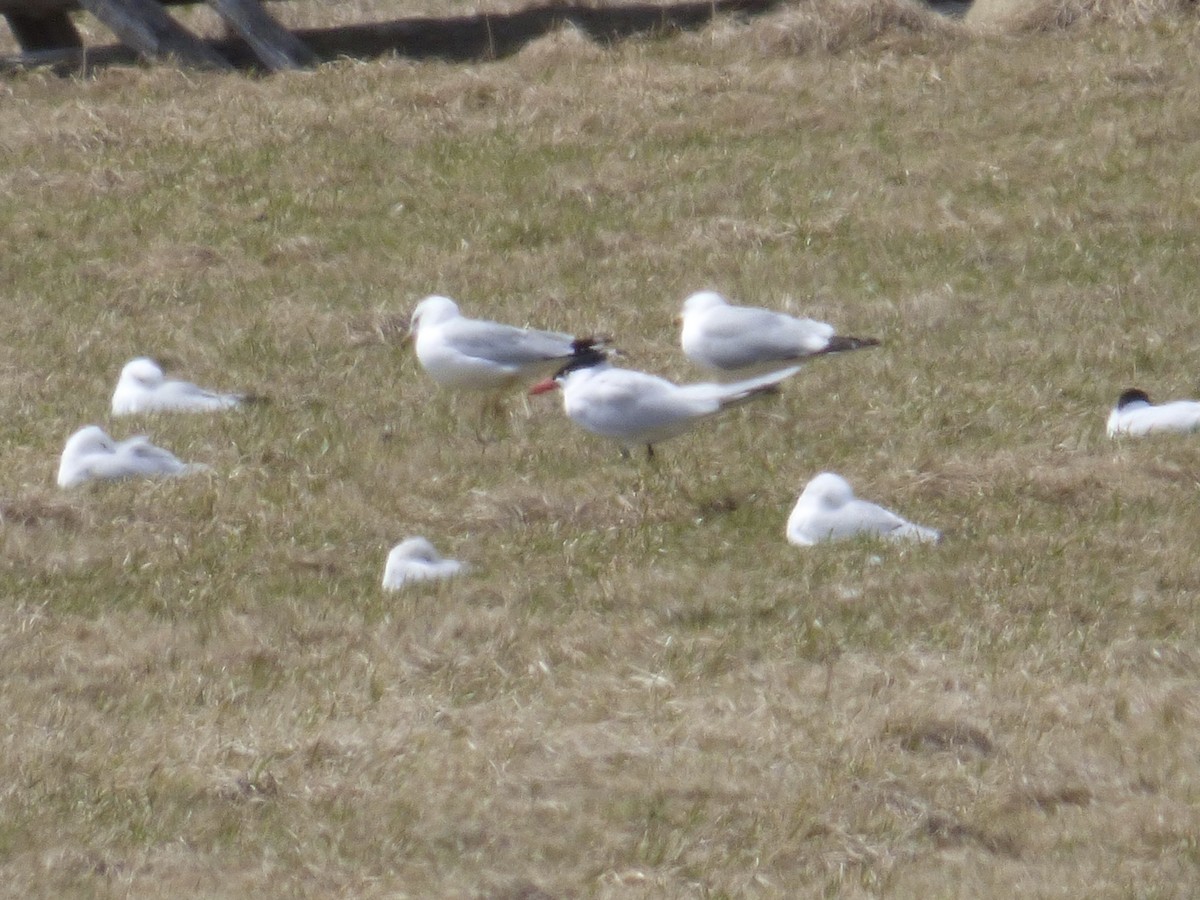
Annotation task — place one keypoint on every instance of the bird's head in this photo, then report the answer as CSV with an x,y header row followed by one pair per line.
x,y
699,302
828,490
1130,396
586,357
433,310
142,371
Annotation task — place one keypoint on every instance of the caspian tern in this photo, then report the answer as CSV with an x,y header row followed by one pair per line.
x,y
638,409
91,454
474,354
415,560
828,511
1135,415
741,341
142,388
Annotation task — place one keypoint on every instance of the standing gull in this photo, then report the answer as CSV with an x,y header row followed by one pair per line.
x,y
474,354
741,341
828,511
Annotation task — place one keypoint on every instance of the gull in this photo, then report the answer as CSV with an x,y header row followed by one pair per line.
x,y
142,388
474,354
741,341
828,511
1135,415
638,409
91,454
415,559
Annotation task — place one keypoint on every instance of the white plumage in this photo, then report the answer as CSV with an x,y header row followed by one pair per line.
x,y
1135,415
741,341
827,510
90,454
638,409
415,560
473,354
143,388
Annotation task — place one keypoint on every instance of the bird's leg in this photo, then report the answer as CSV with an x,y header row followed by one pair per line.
x,y
494,406
492,417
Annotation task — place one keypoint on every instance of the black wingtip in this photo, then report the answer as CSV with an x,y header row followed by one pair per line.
x,y
585,353
591,342
767,390
840,344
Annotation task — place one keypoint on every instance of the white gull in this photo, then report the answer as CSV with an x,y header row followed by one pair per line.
x,y
827,510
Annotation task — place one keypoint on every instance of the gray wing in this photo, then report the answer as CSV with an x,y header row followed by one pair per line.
x,y
864,517
622,403
740,336
186,395
137,456
506,344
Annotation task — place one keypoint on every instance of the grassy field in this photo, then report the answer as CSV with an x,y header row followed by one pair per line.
x,y
642,690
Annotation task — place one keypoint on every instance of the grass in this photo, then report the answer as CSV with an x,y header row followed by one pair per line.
x,y
642,690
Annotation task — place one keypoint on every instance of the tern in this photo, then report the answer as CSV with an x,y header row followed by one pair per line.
x,y
638,409
1135,415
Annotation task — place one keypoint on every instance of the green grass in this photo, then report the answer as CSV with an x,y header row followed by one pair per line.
x,y
641,689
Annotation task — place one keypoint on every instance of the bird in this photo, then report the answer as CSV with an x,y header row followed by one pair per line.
x,y
742,341
143,388
477,355
638,409
414,559
827,510
1135,415
90,454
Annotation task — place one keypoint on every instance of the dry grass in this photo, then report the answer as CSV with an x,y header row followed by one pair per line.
x,y
642,691
1046,15
836,26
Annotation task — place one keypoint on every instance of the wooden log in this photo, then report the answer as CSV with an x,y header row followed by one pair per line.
x,y
52,30
273,44
456,38
146,27
69,60
42,7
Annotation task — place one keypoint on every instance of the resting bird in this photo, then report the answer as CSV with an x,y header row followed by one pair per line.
x,y
473,354
1135,415
741,341
637,409
142,388
415,560
90,454
828,511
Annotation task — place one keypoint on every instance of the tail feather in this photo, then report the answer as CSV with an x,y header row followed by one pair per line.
x,y
743,391
839,344
914,532
766,390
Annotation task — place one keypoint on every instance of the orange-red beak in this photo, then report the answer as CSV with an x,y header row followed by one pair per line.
x,y
542,387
